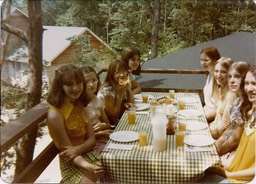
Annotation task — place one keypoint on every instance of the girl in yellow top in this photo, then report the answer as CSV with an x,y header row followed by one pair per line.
x,y
69,127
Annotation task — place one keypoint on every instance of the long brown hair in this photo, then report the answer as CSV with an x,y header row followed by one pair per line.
x,y
246,105
114,66
129,53
63,76
89,69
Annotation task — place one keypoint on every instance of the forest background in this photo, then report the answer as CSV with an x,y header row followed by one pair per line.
x,y
156,27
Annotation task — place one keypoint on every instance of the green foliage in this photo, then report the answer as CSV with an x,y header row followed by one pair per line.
x,y
12,97
182,23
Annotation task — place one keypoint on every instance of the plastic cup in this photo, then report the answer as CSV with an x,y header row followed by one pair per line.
x,y
144,98
172,93
180,135
182,126
181,104
131,115
143,138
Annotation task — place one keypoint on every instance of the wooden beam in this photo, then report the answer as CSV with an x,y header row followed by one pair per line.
x,y
172,71
14,130
39,164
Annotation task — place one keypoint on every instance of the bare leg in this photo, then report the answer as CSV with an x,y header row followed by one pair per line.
x,y
89,178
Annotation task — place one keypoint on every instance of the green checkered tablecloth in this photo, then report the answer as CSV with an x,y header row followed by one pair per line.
x,y
144,165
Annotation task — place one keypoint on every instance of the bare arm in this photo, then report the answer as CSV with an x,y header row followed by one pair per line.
x,y
247,174
210,116
68,151
136,89
232,142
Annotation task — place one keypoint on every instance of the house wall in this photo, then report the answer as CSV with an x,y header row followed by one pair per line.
x,y
18,21
11,70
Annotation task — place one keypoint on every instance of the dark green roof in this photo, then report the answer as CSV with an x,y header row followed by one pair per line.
x,y
239,46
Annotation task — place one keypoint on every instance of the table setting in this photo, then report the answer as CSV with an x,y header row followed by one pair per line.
x,y
144,143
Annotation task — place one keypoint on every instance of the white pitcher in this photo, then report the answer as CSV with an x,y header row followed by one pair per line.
x,y
159,122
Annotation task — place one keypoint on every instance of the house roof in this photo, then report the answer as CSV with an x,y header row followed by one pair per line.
x,y
56,40
240,46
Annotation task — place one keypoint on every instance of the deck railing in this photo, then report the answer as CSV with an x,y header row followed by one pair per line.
x,y
14,130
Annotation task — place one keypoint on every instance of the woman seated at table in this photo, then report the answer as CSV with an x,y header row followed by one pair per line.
x,y
221,121
230,138
95,110
208,57
131,58
69,127
242,168
116,91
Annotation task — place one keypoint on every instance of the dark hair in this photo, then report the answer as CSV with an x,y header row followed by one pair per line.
x,y
63,76
212,53
89,69
246,105
114,66
129,53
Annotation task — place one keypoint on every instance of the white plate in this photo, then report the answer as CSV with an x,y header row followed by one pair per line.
x,y
141,106
195,125
198,140
188,100
139,96
124,136
190,113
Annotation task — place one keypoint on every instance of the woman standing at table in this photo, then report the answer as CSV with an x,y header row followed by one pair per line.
x,y
242,168
95,110
221,121
116,91
131,58
208,57
69,127
230,138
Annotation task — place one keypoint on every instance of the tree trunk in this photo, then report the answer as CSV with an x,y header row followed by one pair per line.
x,y
155,15
25,149
155,28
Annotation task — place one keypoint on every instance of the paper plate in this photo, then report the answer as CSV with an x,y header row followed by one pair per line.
x,y
188,100
124,136
190,113
198,140
141,106
139,96
196,125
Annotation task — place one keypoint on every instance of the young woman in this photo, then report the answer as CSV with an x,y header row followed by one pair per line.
x,y
208,57
95,109
131,57
221,121
242,168
116,91
230,138
69,128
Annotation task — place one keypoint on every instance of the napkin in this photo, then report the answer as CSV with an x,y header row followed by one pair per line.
x,y
142,112
196,148
120,146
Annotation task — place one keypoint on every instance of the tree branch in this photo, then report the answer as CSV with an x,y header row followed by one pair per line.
x,y
17,32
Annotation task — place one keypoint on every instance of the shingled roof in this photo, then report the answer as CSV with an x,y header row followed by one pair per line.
x,y
240,46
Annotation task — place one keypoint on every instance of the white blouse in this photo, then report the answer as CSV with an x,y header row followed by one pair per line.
x,y
208,99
